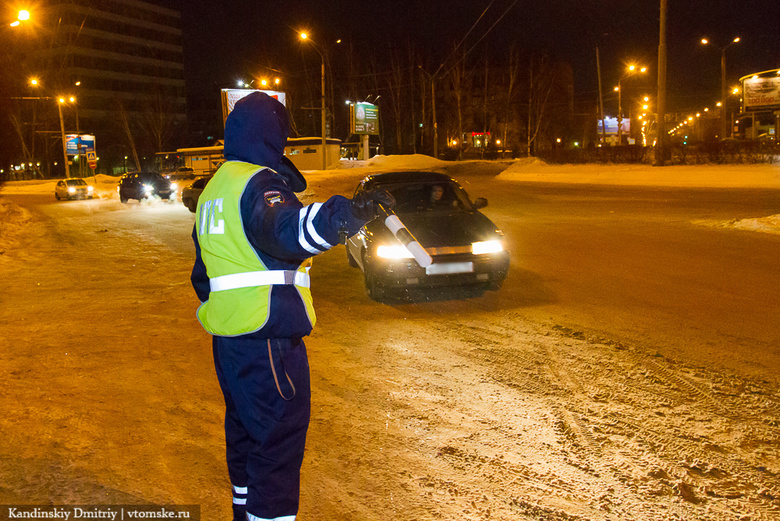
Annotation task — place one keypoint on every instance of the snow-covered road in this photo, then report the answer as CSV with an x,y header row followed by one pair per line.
x,y
456,410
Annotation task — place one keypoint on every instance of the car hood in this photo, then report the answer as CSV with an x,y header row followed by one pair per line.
x,y
437,229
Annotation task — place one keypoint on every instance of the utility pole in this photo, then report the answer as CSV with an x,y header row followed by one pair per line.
x,y
324,137
432,77
601,100
660,149
64,142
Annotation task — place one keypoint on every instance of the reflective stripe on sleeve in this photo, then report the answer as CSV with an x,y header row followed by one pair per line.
x,y
260,278
306,225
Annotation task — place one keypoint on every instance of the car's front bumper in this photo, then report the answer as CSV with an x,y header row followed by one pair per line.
x,y
489,270
80,194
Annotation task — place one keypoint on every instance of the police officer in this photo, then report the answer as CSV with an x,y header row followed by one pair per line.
x,y
254,241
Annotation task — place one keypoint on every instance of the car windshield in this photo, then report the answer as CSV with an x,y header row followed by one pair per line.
x,y
76,182
428,196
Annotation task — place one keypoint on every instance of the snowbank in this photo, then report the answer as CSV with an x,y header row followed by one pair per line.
x,y
13,220
704,176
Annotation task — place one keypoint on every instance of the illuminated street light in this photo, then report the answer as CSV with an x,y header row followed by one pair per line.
x,y
23,16
305,37
723,124
629,71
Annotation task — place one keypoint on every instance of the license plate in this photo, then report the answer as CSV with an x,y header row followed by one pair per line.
x,y
449,267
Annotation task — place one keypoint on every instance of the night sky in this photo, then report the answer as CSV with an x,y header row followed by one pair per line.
x,y
225,43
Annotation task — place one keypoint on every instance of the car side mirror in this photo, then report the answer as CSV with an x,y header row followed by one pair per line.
x,y
480,202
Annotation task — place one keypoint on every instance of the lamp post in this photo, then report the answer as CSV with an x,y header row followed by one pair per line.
x,y
305,36
433,110
60,101
723,115
631,69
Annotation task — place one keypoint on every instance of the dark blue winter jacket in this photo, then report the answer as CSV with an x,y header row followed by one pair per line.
x,y
279,227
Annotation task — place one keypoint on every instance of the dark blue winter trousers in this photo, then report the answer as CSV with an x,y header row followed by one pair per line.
x,y
267,407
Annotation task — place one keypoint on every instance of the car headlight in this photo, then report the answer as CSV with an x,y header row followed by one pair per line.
x,y
393,252
71,190
90,188
174,186
148,189
482,247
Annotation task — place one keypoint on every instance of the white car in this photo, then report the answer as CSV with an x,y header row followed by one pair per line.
x,y
73,188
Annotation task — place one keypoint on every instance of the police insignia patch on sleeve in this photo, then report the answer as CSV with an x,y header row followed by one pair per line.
x,y
273,197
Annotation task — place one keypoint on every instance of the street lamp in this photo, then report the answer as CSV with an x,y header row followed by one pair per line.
x,y
632,69
60,101
305,36
723,124
23,16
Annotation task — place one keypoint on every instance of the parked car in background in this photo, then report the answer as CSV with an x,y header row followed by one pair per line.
x,y
467,249
145,185
191,193
73,188
183,173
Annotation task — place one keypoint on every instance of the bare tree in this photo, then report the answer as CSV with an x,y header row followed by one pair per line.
x,y
458,76
540,85
395,83
158,120
28,157
512,72
128,132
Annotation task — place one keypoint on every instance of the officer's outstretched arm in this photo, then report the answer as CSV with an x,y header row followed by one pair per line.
x,y
290,232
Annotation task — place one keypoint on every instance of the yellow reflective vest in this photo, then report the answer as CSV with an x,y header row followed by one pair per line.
x,y
240,283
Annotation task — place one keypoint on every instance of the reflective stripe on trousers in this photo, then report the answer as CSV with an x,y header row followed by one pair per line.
x,y
260,278
239,495
250,517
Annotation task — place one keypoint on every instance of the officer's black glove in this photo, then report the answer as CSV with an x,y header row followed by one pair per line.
x,y
365,205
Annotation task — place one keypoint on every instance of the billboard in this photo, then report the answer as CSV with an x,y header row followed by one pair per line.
x,y
758,93
612,126
231,96
77,143
364,118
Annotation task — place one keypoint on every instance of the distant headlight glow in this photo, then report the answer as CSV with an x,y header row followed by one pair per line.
x,y
479,248
393,252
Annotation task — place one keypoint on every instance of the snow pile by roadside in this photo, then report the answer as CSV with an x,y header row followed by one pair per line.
x,y
704,176
769,224
13,219
699,176
398,162
105,186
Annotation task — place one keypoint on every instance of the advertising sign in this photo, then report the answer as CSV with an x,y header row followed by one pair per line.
x,y
364,118
612,126
79,143
761,92
231,96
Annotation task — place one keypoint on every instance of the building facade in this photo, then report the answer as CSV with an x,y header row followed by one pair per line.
x,y
122,61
